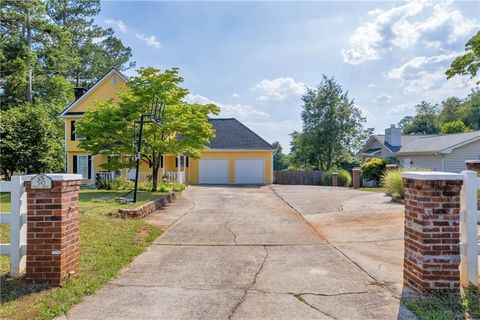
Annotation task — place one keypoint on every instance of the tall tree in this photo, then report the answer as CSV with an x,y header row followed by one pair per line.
x,y
279,158
183,128
28,141
469,63
94,50
331,124
449,110
425,120
470,110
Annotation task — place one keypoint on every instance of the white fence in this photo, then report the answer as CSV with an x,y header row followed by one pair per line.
x,y
17,219
171,176
469,218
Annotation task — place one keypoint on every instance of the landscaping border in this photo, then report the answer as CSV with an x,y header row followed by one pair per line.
x,y
147,208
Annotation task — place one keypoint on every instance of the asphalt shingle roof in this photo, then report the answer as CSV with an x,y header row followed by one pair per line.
x,y
234,135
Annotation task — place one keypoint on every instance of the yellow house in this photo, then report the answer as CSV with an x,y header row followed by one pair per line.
x,y
236,155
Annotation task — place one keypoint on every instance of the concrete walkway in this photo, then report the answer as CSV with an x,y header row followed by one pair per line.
x,y
244,253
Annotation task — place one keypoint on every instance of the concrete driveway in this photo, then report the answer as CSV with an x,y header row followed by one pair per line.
x,y
244,253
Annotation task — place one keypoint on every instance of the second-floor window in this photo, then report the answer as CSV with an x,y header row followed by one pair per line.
x,y
73,135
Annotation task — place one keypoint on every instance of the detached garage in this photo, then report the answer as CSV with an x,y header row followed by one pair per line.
x,y
237,155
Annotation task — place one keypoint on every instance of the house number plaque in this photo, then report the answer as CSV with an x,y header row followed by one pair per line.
x,y
41,181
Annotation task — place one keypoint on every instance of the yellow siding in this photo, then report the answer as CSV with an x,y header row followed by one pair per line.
x,y
231,156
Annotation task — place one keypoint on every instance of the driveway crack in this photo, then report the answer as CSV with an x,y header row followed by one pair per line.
x,y
231,231
300,298
254,281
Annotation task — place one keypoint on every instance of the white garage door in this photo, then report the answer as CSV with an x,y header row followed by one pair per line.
x,y
249,171
213,171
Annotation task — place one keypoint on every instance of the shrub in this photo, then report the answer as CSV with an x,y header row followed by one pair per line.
x,y
164,188
178,187
392,180
344,179
374,169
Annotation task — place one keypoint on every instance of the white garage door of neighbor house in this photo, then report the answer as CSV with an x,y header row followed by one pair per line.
x,y
213,171
249,171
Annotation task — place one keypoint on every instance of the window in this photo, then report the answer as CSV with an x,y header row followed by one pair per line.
x,y
82,165
114,79
73,135
183,161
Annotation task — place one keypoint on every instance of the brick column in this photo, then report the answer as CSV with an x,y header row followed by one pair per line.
x,y
432,233
473,165
53,245
334,179
356,177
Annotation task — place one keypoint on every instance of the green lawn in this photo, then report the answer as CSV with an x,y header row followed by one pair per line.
x,y
107,245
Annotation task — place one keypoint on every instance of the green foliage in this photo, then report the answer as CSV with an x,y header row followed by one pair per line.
x,y
178,187
344,178
454,127
425,120
469,63
332,123
392,181
183,129
280,161
29,141
373,169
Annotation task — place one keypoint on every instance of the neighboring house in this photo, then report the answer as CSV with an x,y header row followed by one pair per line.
x,y
236,155
436,152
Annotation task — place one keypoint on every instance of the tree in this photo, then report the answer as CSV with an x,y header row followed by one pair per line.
x,y
469,63
331,124
183,128
425,120
454,127
470,110
450,110
279,158
29,142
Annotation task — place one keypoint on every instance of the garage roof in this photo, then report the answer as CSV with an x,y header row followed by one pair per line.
x,y
231,134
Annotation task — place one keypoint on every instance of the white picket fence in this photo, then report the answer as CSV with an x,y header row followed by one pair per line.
x,y
469,218
17,219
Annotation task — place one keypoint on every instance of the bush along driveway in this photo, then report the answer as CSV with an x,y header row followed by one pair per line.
x,y
107,245
241,253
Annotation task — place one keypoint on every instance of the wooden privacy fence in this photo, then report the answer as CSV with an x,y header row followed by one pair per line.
x,y
298,177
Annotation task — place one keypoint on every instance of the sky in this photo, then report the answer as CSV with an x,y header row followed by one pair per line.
x,y
255,59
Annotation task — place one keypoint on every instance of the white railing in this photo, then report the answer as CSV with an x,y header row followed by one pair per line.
x,y
104,175
17,219
469,218
171,176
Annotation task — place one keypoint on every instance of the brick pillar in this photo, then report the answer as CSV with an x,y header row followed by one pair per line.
x,y
53,245
356,177
334,179
473,165
432,233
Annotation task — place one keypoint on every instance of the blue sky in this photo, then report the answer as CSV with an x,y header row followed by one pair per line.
x,y
254,59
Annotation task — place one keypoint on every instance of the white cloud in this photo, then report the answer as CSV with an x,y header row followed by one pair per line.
x,y
149,40
401,27
382,98
118,24
278,89
99,39
372,85
401,108
235,95
426,75
239,111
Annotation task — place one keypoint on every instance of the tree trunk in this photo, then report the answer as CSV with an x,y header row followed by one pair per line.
x,y
155,170
28,92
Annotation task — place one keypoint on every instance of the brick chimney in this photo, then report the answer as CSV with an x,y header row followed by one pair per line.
x,y
393,136
79,92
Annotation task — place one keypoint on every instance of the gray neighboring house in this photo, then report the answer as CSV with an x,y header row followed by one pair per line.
x,y
436,152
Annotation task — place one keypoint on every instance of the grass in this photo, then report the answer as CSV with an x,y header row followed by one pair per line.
x,y
447,306
107,244
374,189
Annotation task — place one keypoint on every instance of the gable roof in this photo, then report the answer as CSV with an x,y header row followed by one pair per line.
x,y
67,112
231,134
406,139
438,143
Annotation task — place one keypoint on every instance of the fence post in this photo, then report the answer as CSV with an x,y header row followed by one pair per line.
x,y
473,165
18,227
468,229
53,246
334,179
432,232
356,176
